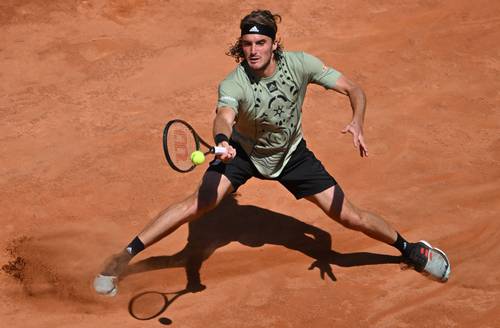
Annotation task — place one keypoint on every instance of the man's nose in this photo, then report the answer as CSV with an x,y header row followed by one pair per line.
x,y
252,50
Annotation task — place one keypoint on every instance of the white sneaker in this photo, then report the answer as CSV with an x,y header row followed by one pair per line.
x,y
429,260
106,285
438,265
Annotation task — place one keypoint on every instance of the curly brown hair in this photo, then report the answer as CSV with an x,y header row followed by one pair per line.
x,y
262,17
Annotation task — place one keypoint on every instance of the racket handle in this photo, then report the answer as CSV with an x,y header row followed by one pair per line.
x,y
219,150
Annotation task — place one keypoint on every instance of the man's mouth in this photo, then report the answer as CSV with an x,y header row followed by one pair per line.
x,y
253,59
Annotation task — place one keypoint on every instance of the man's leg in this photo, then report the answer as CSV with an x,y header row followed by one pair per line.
x,y
214,187
422,256
333,202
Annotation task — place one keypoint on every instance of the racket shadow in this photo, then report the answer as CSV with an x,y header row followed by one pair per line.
x,y
151,304
254,227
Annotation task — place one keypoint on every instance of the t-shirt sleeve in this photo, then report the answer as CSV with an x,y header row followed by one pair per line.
x,y
230,95
319,73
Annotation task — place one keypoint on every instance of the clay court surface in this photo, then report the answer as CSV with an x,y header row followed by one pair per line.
x,y
87,86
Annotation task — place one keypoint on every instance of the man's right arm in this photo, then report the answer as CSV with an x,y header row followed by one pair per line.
x,y
223,126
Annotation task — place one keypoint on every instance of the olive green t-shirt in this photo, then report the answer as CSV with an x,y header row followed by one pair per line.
x,y
268,110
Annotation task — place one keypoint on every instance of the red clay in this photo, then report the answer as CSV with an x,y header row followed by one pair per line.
x,y
86,87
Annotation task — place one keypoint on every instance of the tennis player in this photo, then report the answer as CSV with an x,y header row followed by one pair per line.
x,y
259,122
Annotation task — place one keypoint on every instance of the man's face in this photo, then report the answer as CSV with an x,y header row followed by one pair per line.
x,y
258,50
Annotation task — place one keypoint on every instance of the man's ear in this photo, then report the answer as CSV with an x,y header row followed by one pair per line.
x,y
275,45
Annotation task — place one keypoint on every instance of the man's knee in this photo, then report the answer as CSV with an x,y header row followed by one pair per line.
x,y
206,200
351,217
212,190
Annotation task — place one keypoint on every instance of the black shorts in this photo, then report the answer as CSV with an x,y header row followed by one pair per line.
x,y
303,175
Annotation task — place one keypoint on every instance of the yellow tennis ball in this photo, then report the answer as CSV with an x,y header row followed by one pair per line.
x,y
197,157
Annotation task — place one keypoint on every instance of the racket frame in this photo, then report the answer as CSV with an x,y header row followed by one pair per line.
x,y
198,142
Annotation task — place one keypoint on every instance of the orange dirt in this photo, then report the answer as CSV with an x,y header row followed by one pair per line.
x,y
86,87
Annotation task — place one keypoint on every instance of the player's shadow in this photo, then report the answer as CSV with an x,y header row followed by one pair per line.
x,y
254,226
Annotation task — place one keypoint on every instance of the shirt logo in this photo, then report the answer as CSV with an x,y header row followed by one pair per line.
x,y
254,29
271,86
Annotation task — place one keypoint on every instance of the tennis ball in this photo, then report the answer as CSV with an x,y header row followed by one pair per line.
x,y
197,157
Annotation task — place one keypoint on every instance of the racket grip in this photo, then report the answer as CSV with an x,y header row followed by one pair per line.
x,y
219,150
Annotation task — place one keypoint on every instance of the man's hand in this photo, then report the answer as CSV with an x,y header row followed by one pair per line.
x,y
357,136
229,155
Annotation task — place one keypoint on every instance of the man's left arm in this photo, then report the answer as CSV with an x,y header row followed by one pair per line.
x,y
358,104
329,78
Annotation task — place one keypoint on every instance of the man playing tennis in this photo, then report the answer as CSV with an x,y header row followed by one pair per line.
x,y
258,121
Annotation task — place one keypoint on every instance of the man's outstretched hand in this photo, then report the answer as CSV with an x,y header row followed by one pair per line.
x,y
357,137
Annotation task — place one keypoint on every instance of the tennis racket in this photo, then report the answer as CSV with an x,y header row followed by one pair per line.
x,y
180,140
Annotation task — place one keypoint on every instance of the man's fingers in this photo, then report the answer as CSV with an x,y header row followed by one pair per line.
x,y
355,140
348,128
363,147
362,151
229,155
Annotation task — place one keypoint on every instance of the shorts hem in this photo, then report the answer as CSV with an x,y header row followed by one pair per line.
x,y
311,192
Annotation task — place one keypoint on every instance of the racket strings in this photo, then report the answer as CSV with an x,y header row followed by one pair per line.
x,y
181,143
